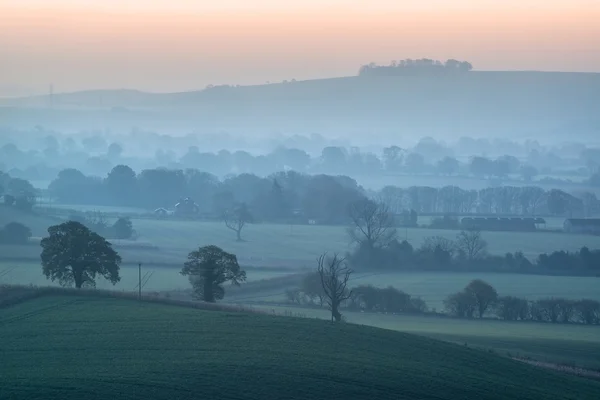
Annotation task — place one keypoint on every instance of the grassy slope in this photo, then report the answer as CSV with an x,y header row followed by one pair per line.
x,y
65,347
564,344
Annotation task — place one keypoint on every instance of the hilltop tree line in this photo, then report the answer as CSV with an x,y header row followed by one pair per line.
x,y
409,66
286,196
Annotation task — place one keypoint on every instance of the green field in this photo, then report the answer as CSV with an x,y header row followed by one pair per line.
x,y
557,343
66,347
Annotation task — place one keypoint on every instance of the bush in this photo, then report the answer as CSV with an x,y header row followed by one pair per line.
x,y
15,233
123,229
588,311
390,299
512,308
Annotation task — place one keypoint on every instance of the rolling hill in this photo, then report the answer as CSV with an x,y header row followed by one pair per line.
x,y
510,104
69,347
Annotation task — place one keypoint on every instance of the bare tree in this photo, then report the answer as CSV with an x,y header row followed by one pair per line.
x,y
372,224
334,275
237,218
471,244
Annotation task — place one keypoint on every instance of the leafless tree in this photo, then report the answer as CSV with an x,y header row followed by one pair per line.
x,y
237,218
471,243
372,223
334,275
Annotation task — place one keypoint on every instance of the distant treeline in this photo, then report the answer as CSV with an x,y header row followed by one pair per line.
x,y
95,156
409,67
290,195
468,252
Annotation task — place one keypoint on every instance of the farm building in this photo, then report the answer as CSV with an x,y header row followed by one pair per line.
x,y
501,224
581,225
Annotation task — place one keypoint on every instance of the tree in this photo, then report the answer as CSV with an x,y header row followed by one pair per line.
x,y
483,293
512,308
415,162
334,274
208,268
15,233
123,228
237,218
471,244
372,224
447,166
74,254
461,304
122,185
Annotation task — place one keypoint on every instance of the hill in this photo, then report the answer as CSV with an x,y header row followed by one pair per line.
x,y
97,348
513,104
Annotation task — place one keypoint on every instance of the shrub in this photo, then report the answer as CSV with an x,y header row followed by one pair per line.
x,y
15,233
588,311
512,308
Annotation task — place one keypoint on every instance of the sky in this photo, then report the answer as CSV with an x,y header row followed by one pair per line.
x,y
179,45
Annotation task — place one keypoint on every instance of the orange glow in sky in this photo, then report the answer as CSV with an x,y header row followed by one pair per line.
x,y
183,45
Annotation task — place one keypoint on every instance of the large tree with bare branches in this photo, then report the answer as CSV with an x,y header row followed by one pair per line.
x,y
372,224
334,274
237,218
471,243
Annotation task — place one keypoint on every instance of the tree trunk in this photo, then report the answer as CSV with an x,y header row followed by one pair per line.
x,y
208,293
239,235
78,277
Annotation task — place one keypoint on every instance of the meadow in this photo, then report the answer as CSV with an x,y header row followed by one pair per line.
x,y
66,347
577,345
300,245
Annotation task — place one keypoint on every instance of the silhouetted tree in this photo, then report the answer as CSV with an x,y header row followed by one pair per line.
x,y
483,293
123,228
237,218
471,244
334,274
372,225
74,254
208,268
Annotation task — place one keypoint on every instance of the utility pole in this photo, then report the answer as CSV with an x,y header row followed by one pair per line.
x,y
140,281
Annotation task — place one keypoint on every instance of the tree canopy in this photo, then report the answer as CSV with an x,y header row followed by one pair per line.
x,y
73,254
208,268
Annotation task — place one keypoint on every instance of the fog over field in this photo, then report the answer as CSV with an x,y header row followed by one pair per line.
x,y
420,228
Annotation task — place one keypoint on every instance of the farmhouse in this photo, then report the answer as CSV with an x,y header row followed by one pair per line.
x,y
581,225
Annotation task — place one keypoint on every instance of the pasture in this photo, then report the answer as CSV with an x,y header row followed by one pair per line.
x,y
557,343
300,245
66,347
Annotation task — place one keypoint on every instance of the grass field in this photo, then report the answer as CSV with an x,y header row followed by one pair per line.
x,y
300,244
74,348
161,278
557,343
434,287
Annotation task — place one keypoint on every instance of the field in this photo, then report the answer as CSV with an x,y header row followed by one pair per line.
x,y
563,344
432,287
299,245
98,348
